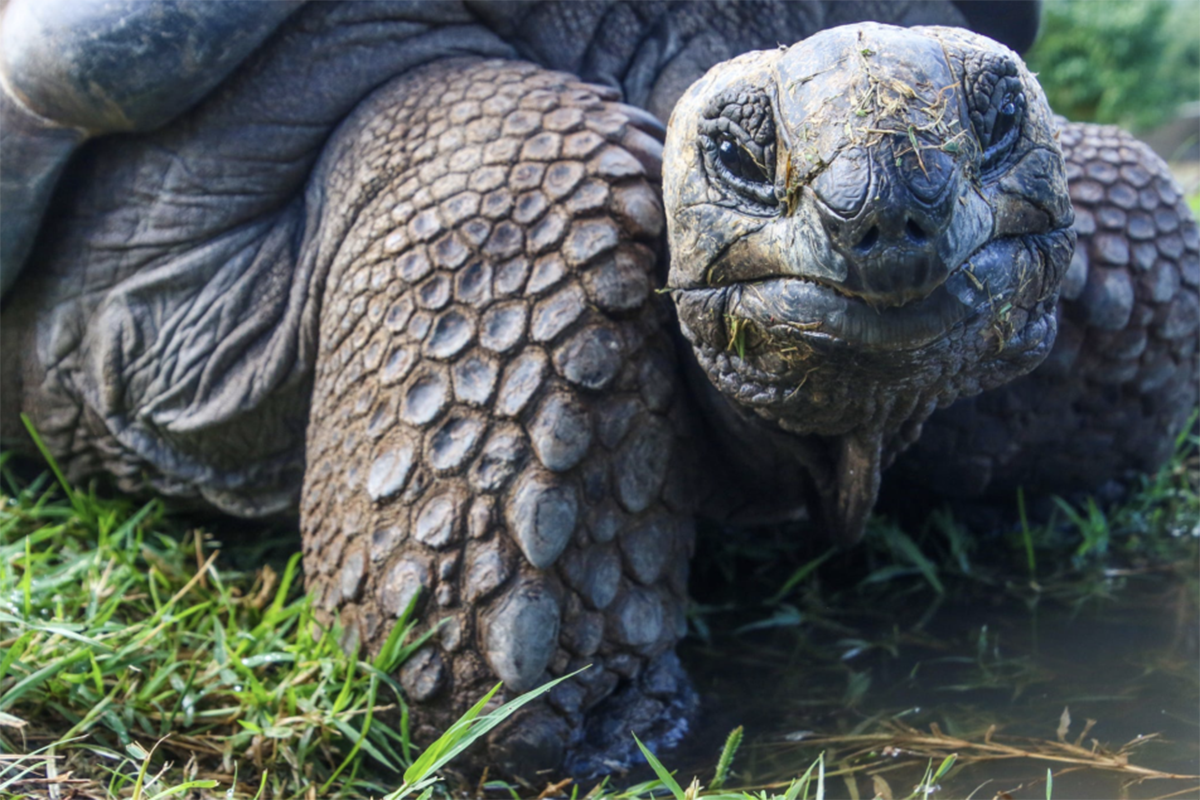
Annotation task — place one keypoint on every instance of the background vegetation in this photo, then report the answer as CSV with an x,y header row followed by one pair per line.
x,y
1119,62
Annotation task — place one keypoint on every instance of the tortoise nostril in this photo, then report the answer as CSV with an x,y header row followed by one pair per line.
x,y
868,240
916,233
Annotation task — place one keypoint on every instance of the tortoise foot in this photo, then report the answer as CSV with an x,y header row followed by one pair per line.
x,y
659,706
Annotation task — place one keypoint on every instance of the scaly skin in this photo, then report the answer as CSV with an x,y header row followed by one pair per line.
x,y
495,421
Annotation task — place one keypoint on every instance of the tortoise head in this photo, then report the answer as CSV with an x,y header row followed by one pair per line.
x,y
862,227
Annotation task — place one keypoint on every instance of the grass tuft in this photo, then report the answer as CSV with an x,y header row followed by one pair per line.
x,y
128,646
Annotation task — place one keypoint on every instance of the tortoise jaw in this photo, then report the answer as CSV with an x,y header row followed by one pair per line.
x,y
793,300
786,309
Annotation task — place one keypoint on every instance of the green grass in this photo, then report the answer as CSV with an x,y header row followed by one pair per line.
x,y
123,636
138,664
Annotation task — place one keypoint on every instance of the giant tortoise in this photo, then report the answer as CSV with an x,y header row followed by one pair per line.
x,y
427,275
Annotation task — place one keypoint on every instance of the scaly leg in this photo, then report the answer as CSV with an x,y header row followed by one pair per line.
x,y
495,412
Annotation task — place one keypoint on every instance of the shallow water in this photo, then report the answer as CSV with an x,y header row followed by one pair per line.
x,y
1010,657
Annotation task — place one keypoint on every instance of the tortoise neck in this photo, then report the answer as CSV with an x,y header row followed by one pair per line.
x,y
765,474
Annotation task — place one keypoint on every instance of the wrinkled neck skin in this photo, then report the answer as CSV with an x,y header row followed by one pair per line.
x,y
765,475
816,442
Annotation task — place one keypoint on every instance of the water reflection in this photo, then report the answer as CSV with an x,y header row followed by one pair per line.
x,y
1098,683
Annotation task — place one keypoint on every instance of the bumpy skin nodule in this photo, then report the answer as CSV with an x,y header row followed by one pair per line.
x,y
494,421
1123,377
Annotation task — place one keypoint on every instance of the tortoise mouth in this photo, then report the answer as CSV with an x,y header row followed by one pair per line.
x,y
791,308
786,308
813,311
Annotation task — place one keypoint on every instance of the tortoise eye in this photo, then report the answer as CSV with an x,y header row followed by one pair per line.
x,y
740,162
737,140
998,114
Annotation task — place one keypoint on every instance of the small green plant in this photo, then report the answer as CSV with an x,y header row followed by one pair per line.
x,y
422,774
1092,525
929,783
907,558
1026,535
738,327
732,743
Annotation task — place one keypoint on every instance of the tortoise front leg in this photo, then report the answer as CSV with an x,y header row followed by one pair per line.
x,y
495,412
